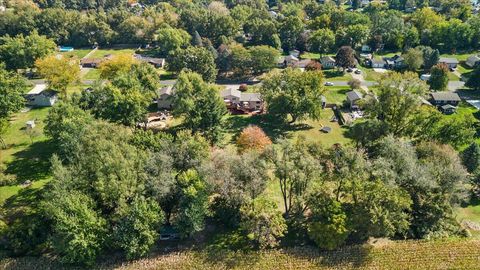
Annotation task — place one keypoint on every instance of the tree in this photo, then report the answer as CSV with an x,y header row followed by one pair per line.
x,y
430,57
313,66
59,72
200,104
263,223
471,157
474,79
196,59
293,93
136,231
121,63
20,52
345,57
354,84
296,170
321,41
439,77
397,102
12,88
354,35
413,59
78,230
327,223
290,31
263,58
193,205
170,39
252,138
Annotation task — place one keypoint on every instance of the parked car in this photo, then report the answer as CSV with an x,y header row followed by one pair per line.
x,y
328,84
349,70
358,71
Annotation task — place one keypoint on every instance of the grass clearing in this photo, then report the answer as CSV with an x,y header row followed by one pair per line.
x,y
92,74
27,155
336,94
336,75
100,53
79,53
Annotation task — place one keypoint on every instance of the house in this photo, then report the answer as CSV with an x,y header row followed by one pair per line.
x,y
394,62
234,99
473,61
353,97
448,109
164,100
450,62
327,62
90,62
443,98
290,61
156,62
295,53
377,63
45,98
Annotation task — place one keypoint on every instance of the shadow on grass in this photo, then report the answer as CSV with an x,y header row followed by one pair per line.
x,y
230,248
333,73
275,128
32,163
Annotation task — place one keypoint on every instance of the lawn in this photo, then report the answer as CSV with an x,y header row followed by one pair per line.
x,y
92,74
336,94
27,155
100,53
336,75
310,129
79,53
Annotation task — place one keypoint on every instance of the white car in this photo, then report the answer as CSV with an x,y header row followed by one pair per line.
x,y
328,84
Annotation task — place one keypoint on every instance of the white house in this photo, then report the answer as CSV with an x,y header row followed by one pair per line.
x,y
45,98
377,63
450,62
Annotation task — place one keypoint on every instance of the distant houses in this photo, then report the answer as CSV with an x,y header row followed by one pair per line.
x,y
233,98
394,62
95,62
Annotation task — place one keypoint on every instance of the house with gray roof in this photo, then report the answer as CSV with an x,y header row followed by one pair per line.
x,y
440,99
164,100
473,61
44,98
235,99
450,62
353,97
327,62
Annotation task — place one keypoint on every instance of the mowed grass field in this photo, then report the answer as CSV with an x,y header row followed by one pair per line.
x,y
100,53
421,255
28,154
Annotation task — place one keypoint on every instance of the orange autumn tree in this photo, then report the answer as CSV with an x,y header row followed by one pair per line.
x,y
252,138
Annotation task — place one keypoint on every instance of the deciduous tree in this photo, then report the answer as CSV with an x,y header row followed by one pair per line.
x,y
59,72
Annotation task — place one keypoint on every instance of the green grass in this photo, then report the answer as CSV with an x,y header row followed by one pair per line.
x,y
336,75
23,158
310,129
336,94
92,74
79,53
100,53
